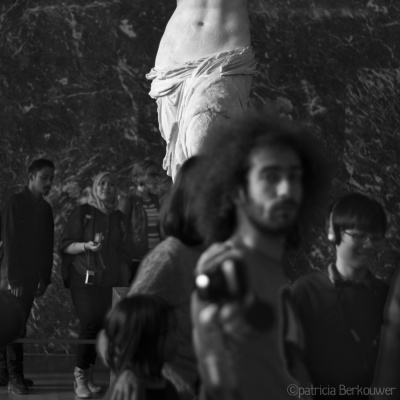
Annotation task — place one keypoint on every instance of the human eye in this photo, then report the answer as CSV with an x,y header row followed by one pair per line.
x,y
377,239
360,237
271,176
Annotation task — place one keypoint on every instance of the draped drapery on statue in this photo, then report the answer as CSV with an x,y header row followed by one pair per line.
x,y
195,96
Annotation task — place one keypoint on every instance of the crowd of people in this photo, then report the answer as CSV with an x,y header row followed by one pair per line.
x,y
210,313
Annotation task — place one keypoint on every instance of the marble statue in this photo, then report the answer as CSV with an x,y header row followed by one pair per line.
x,y
202,74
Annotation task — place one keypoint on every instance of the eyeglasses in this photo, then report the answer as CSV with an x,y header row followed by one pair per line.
x,y
363,238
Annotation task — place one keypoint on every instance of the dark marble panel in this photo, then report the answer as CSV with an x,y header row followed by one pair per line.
x,y
336,67
72,88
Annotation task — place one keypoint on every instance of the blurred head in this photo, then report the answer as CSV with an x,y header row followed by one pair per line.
x,y
272,198
357,226
103,194
141,335
41,176
178,215
268,167
147,176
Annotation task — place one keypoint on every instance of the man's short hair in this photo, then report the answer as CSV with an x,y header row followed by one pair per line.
x,y
39,164
140,169
229,152
356,211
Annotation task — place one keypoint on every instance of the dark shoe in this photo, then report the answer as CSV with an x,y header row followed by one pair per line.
x,y
3,377
28,382
16,385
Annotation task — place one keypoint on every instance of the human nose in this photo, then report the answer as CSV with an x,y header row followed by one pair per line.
x,y
284,188
374,243
369,243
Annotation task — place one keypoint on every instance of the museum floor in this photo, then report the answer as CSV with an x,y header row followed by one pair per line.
x,y
53,378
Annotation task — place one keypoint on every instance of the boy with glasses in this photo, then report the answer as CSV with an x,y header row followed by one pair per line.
x,y
342,308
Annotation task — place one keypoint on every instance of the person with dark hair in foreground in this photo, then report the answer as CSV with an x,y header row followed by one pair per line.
x,y
260,175
27,231
167,271
342,308
140,332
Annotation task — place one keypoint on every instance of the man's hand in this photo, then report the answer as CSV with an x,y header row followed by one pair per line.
x,y
216,254
40,289
230,317
17,291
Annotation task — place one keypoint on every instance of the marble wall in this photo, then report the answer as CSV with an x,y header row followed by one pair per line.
x,y
72,88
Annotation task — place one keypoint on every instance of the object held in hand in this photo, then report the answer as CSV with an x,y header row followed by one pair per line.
x,y
98,237
224,282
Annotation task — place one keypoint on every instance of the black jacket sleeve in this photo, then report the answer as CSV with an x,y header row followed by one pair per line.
x,y
11,234
48,246
73,232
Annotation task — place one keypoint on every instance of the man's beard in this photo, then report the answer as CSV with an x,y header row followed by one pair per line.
x,y
254,214
46,190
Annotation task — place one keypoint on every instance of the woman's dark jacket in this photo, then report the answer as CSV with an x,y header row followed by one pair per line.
x,y
82,226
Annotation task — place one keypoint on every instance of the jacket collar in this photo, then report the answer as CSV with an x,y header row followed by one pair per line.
x,y
37,201
338,279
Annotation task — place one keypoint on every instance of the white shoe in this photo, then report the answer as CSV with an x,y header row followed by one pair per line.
x,y
81,383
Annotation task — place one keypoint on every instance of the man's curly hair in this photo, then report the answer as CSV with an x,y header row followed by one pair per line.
x,y
229,152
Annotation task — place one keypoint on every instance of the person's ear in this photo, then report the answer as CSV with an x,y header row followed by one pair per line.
x,y
240,197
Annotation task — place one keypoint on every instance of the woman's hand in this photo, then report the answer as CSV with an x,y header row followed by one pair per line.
x,y
95,247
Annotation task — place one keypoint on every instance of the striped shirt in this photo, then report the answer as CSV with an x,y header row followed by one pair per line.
x,y
153,235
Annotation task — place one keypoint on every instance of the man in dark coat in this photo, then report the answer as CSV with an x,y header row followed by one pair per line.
x,y
27,231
